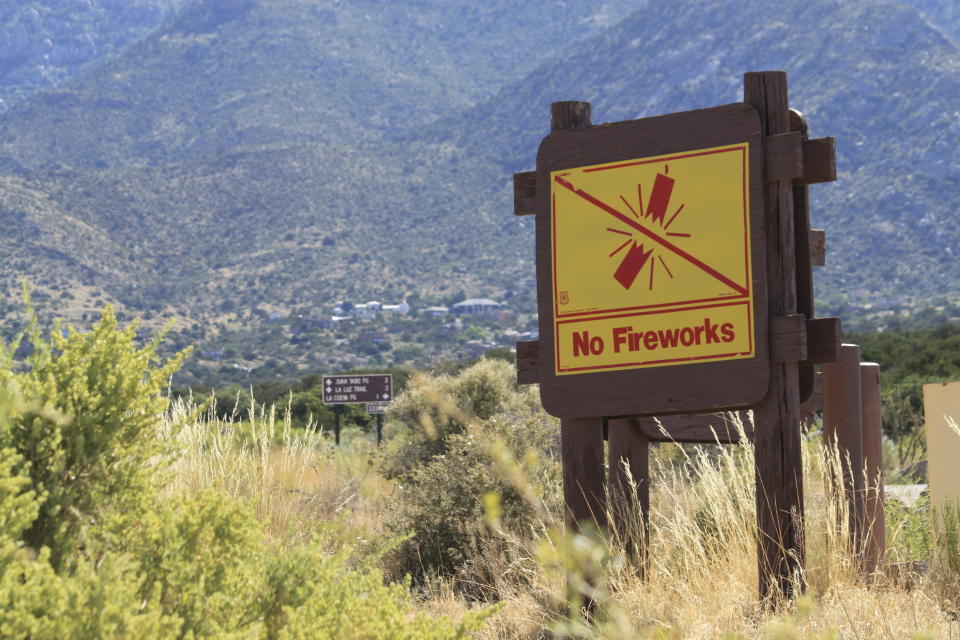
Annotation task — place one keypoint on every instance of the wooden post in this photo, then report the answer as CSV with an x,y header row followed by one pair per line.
x,y
804,274
569,115
779,472
336,424
379,429
581,458
629,505
581,452
581,439
842,428
872,426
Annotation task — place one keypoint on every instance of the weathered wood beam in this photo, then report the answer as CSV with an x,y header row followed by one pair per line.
x,y
788,338
819,161
528,362
524,193
783,156
823,340
818,249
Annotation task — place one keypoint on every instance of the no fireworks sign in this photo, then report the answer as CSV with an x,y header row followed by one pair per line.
x,y
650,254
651,261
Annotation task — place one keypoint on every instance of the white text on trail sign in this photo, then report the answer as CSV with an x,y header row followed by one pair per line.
x,y
358,388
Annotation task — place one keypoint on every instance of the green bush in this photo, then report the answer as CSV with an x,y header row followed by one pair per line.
x,y
88,430
909,530
201,557
433,408
511,449
102,601
92,547
336,601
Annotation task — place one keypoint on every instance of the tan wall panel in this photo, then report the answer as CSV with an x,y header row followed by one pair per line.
x,y
943,444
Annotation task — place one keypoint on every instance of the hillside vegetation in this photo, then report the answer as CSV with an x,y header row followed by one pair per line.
x,y
256,130
288,154
44,43
128,517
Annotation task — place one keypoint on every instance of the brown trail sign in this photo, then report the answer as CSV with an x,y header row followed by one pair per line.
x,y
673,278
372,389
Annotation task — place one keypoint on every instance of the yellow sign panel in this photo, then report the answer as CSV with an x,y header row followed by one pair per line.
x,y
651,261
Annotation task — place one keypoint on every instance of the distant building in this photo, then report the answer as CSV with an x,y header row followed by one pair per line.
x,y
436,312
367,310
319,322
477,306
401,308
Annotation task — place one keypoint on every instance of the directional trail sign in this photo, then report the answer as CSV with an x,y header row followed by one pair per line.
x,y
358,388
652,261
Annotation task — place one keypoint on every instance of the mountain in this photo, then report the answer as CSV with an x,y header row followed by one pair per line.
x,y
875,75
46,42
239,149
292,152
942,14
228,73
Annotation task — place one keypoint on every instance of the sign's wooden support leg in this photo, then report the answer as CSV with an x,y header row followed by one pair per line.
x,y
628,455
379,429
872,427
842,429
779,472
581,450
581,455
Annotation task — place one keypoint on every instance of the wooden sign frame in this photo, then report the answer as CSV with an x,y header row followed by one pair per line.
x,y
686,388
619,405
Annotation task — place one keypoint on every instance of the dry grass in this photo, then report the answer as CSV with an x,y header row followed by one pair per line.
x,y
701,580
295,479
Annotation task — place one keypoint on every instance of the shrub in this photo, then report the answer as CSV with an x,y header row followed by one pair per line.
x,y
509,450
337,601
433,408
89,430
91,546
37,602
201,557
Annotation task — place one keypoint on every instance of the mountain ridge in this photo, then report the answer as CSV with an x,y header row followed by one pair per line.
x,y
304,214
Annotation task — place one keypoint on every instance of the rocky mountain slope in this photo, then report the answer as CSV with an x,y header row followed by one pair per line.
x,y
46,42
294,152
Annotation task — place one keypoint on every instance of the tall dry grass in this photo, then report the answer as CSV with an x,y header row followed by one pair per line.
x,y
296,480
700,579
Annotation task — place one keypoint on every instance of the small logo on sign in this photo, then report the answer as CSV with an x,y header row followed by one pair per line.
x,y
564,297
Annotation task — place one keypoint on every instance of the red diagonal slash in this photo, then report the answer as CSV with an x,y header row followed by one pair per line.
x,y
653,236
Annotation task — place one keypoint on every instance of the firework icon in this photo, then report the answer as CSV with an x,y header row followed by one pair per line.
x,y
641,253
